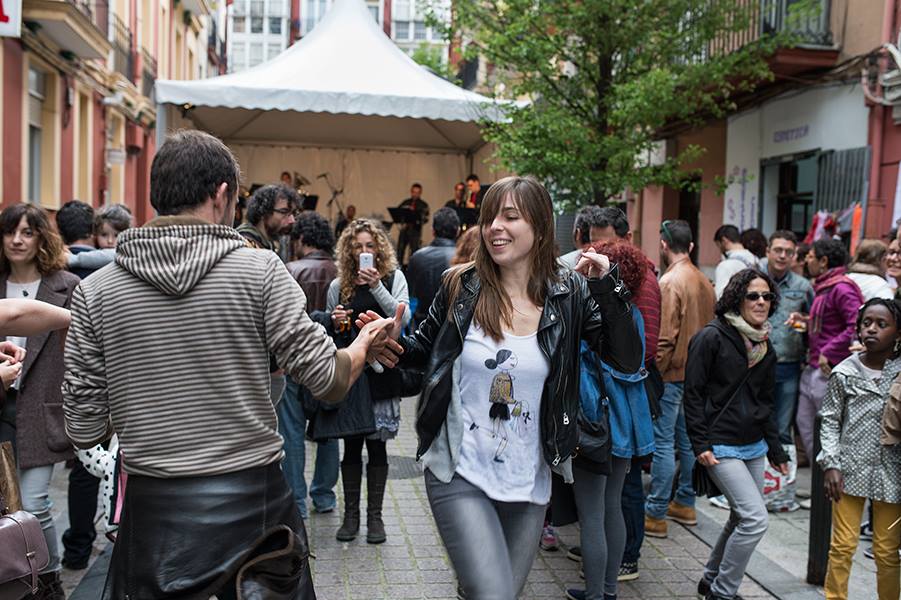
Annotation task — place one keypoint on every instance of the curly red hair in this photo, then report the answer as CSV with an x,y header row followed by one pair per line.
x,y
632,263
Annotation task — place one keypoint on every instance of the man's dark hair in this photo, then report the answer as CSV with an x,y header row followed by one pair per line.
x,y
784,234
75,221
610,216
315,231
472,177
677,235
446,223
188,169
419,185
729,232
833,250
262,203
734,294
587,217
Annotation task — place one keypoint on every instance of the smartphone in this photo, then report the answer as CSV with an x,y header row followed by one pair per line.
x,y
366,261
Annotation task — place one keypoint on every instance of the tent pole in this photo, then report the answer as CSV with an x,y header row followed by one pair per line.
x,y
162,124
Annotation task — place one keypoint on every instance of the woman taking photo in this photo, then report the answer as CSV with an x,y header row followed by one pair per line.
x,y
31,267
500,402
729,379
371,413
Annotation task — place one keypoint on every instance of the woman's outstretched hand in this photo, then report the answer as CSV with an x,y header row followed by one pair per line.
x,y
384,350
591,264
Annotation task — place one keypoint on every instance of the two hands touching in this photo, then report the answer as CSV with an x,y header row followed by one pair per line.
x,y
379,336
12,357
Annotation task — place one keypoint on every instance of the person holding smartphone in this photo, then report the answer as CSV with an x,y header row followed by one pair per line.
x,y
368,280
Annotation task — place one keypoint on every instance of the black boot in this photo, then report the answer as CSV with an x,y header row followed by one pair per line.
x,y
50,587
352,478
376,477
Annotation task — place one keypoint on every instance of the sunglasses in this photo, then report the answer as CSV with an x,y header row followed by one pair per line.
x,y
664,231
755,296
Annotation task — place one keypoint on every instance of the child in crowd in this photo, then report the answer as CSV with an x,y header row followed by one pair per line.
x,y
857,466
109,222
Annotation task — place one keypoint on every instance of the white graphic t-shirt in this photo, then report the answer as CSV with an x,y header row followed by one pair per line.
x,y
500,389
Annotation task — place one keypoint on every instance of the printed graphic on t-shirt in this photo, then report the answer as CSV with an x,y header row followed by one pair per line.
x,y
510,416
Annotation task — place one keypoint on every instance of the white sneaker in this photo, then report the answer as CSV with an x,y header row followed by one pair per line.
x,y
805,503
720,502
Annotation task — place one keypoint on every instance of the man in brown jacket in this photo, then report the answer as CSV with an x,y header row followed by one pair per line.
x,y
687,303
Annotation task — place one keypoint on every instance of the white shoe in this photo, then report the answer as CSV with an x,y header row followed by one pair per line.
x,y
720,502
805,503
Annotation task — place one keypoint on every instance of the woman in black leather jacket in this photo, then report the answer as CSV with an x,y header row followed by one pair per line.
x,y
500,399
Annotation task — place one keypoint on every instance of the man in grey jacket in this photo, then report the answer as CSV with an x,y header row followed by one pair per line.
x,y
168,348
735,257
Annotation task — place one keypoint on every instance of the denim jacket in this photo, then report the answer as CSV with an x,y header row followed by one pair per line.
x,y
631,427
795,295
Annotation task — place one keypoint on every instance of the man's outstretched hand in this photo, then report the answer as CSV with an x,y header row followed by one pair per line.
x,y
384,332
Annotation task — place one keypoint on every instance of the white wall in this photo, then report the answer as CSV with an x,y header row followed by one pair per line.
x,y
832,117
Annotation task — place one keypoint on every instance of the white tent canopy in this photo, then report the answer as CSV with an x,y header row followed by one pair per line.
x,y
345,85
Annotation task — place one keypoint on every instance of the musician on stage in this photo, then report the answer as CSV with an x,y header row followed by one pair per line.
x,y
459,200
411,233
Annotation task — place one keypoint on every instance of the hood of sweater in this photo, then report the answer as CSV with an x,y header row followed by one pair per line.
x,y
173,254
745,256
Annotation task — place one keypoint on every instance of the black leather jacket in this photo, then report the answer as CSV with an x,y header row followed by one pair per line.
x,y
575,309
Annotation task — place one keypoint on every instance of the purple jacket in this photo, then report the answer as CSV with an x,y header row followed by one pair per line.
x,y
833,316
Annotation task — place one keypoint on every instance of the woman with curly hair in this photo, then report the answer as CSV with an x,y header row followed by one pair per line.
x,y
32,266
371,412
598,496
729,411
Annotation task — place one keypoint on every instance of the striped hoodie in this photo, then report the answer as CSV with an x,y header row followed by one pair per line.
x,y
169,345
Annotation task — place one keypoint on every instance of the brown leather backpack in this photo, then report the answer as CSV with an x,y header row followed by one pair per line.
x,y
23,553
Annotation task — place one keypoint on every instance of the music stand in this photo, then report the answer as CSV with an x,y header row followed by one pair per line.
x,y
468,216
403,215
309,201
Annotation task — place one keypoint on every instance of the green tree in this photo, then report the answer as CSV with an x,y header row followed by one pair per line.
x,y
432,57
601,78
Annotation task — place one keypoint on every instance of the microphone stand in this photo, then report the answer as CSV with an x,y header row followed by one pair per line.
x,y
334,199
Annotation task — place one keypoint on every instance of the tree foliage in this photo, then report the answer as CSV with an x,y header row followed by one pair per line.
x,y
598,79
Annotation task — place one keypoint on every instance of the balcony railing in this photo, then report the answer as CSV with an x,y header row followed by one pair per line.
x,y
148,73
95,10
123,61
769,17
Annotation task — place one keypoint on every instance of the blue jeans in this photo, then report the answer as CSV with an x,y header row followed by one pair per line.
x,y
788,375
670,436
291,425
633,513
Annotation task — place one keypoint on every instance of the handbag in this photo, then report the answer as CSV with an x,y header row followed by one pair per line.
x,y
9,481
595,444
654,387
23,553
701,481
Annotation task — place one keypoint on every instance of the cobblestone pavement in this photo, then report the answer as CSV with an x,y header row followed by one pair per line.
x,y
413,564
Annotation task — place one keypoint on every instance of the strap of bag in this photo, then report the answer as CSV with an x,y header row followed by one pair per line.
x,y
729,401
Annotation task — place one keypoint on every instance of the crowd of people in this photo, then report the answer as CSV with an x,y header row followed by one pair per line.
x,y
203,353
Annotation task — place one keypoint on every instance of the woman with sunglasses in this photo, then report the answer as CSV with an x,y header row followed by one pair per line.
x,y
729,411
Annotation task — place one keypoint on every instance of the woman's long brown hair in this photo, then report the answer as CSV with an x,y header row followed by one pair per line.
x,y
494,310
50,257
385,258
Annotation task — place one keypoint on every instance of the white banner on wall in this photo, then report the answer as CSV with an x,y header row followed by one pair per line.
x,y
10,18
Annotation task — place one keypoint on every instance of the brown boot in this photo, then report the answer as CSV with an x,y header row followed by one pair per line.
x,y
655,528
352,479
376,478
50,587
680,513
